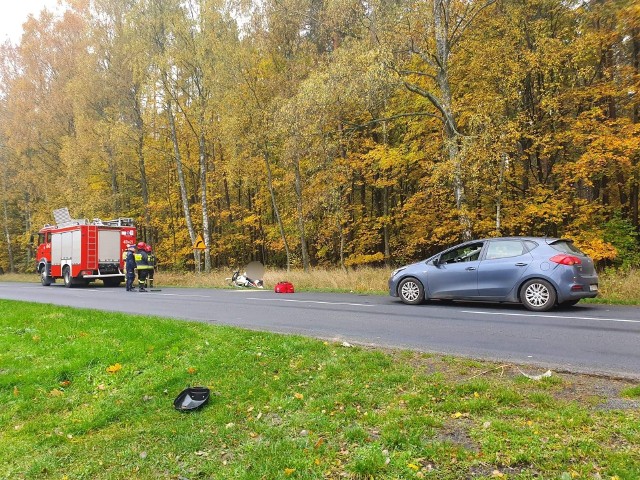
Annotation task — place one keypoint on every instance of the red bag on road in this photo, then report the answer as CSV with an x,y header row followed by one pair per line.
x,y
284,287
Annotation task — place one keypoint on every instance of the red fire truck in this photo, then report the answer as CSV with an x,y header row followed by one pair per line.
x,y
80,251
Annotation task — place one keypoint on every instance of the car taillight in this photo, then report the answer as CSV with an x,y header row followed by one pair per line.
x,y
564,259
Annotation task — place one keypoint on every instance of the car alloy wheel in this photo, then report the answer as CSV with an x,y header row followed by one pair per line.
x,y
411,291
538,295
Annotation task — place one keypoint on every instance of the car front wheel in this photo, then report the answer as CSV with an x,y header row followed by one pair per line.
x,y
538,295
411,291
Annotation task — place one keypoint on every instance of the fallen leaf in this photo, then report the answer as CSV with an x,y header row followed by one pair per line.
x,y
114,368
56,393
65,383
16,392
319,443
413,466
289,471
299,396
191,370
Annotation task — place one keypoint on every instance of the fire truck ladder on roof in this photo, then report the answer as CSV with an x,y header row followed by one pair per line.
x,y
92,247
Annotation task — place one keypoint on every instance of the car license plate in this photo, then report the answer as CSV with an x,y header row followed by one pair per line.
x,y
593,288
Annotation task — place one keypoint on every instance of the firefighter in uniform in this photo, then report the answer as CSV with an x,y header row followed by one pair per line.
x,y
151,258
130,267
142,264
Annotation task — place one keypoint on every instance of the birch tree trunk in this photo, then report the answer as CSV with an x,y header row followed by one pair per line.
x,y
7,233
139,124
300,211
275,207
183,187
441,15
202,154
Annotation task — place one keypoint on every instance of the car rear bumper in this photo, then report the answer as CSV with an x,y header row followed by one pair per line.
x,y
575,287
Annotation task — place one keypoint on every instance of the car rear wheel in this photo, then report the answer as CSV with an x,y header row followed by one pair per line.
x,y
411,291
538,295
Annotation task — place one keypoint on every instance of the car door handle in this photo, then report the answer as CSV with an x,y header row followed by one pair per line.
x,y
520,264
470,268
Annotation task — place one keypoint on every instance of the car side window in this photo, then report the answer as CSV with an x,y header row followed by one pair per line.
x,y
465,253
504,249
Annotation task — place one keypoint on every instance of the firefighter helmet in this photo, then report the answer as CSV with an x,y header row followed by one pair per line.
x,y
141,245
147,248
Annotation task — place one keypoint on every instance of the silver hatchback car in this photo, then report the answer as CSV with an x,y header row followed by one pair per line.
x,y
538,272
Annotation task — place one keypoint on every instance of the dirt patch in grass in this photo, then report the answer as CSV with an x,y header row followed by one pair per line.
x,y
601,392
457,433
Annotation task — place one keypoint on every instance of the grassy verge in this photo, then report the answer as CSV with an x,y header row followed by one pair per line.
x,y
88,394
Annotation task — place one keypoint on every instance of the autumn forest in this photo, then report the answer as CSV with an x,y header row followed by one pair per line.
x,y
325,133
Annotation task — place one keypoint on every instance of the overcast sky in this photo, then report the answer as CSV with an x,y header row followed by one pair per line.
x,y
13,13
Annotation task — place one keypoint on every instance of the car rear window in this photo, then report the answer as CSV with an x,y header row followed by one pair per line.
x,y
565,246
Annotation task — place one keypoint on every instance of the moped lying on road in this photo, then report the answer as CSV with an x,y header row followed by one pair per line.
x,y
251,278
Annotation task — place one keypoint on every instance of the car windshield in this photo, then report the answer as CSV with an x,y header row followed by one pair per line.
x,y
566,246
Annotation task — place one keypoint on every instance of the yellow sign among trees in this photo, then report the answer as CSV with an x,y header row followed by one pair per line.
x,y
199,243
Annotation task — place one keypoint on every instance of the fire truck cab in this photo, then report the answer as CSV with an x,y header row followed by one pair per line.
x,y
81,251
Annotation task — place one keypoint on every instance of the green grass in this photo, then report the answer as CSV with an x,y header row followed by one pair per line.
x,y
285,407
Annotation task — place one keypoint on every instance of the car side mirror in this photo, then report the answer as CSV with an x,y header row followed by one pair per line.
x,y
436,261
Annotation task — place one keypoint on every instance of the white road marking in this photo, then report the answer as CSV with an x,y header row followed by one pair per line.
x,y
311,301
250,290
620,320
182,295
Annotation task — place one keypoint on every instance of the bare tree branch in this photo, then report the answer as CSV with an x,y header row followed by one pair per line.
x,y
359,126
463,24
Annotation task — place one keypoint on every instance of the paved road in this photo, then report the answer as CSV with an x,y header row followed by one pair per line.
x,y
585,338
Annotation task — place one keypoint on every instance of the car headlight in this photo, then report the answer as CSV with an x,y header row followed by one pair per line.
x,y
397,271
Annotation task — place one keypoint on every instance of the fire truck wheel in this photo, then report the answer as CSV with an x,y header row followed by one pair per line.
x,y
44,279
66,275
